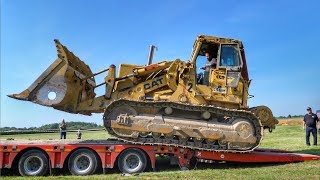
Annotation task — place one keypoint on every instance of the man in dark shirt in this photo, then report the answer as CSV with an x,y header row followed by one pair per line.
x,y
63,129
310,122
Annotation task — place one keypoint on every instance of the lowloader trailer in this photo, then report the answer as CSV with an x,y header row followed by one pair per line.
x,y
85,157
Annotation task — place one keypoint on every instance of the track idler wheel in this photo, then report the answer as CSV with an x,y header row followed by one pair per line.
x,y
265,116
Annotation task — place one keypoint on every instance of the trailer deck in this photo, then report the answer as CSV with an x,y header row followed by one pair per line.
x,y
84,157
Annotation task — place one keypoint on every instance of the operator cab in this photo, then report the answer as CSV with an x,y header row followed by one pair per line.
x,y
228,59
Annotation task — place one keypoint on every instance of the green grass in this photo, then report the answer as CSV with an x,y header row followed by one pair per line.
x,y
290,138
70,135
284,137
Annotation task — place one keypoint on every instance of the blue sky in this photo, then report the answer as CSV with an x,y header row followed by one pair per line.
x,y
280,37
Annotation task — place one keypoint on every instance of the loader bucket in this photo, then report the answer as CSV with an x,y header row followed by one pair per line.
x,y
65,83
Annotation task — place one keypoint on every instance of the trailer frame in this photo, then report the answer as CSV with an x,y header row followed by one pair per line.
x,y
107,153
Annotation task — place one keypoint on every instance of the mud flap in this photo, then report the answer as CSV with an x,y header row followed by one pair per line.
x,y
65,83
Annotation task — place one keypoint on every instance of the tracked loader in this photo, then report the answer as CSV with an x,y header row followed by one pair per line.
x,y
166,103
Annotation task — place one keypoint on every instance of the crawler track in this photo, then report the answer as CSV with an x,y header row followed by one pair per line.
x,y
157,107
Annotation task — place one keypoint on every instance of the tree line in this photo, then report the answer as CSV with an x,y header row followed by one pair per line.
x,y
70,126
290,116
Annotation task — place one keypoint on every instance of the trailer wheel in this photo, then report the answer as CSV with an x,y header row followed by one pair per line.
x,y
33,163
132,161
82,162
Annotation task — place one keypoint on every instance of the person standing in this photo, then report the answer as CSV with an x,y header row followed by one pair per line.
x,y
79,134
63,129
310,124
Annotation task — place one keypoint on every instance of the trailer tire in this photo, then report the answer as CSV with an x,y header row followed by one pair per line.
x,y
132,160
33,163
82,162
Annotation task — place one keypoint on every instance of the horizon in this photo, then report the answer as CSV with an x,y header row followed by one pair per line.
x,y
280,40
279,118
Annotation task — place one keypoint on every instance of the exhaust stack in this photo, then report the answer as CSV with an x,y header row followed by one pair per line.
x,y
151,52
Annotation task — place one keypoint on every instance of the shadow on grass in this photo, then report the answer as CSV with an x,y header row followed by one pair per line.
x,y
164,165
314,151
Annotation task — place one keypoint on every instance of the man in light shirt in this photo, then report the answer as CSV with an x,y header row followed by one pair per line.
x,y
211,63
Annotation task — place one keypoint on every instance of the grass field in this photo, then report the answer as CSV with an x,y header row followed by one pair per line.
x,y
286,137
70,135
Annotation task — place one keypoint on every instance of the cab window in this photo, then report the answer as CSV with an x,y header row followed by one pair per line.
x,y
229,55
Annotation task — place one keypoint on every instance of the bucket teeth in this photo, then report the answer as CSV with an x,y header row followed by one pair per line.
x,y
22,96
